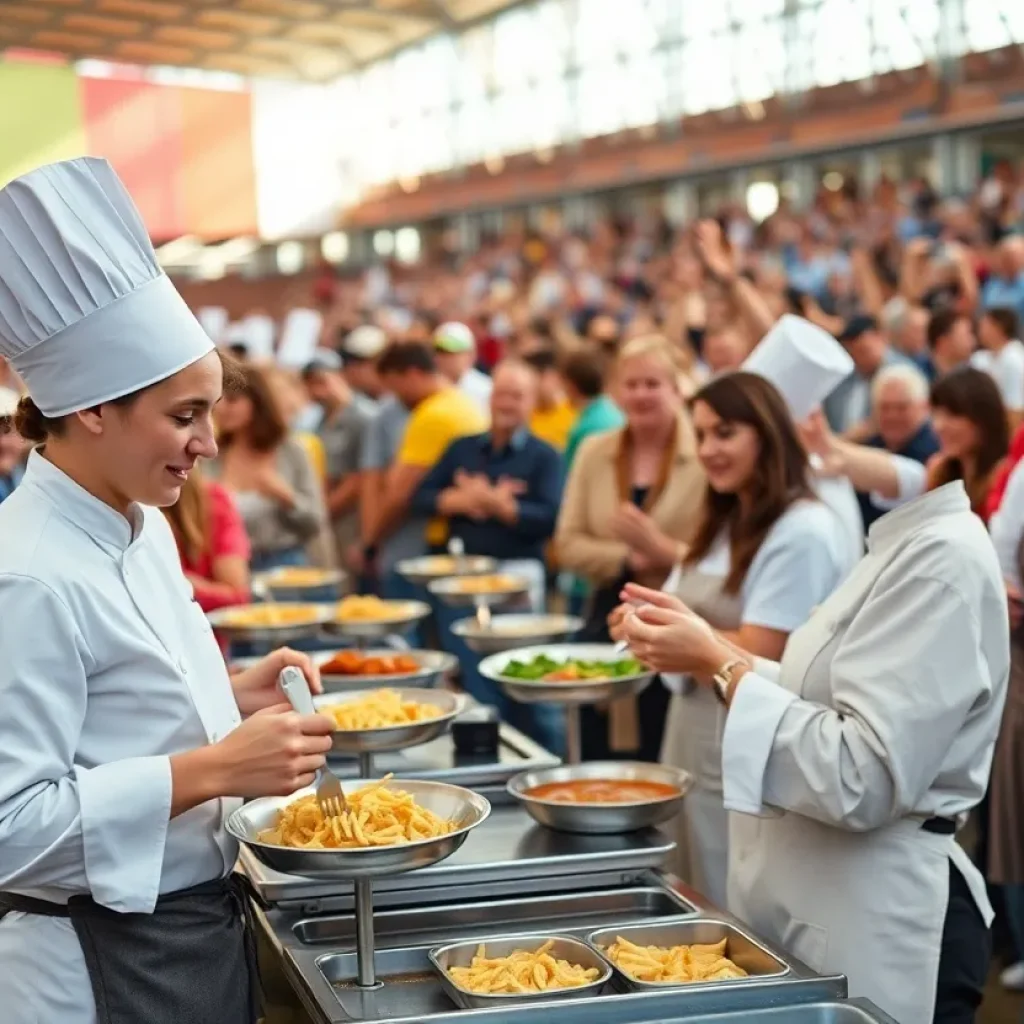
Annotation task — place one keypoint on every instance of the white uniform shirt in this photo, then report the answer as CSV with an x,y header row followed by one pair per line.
x,y
108,668
1006,368
802,560
1007,526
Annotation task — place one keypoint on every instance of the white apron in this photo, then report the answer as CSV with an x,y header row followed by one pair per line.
x,y
693,742
870,904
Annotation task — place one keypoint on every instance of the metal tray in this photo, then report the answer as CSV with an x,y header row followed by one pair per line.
x,y
532,629
847,1011
276,582
450,593
395,737
507,849
433,666
573,913
741,947
460,954
539,691
429,567
415,611
411,993
319,617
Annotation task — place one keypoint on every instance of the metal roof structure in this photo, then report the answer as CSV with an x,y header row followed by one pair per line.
x,y
310,40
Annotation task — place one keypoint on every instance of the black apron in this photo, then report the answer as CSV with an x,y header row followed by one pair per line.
x,y
192,961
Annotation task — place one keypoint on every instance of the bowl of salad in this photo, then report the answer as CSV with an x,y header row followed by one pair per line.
x,y
567,673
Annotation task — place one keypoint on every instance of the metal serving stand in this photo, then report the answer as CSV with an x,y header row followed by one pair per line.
x,y
571,696
513,878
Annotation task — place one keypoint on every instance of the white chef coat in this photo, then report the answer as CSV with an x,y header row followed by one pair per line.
x,y
108,667
883,713
1007,526
1006,368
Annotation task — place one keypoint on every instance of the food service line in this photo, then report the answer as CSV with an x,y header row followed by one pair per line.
x,y
514,873
515,877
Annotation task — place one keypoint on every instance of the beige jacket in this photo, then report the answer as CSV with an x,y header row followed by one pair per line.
x,y
599,482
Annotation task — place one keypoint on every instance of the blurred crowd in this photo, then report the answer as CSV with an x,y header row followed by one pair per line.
x,y
556,399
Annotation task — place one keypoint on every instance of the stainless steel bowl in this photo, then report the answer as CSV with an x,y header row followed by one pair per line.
x,y
540,691
395,737
319,617
413,612
456,804
602,819
429,567
433,665
510,631
277,583
460,954
448,591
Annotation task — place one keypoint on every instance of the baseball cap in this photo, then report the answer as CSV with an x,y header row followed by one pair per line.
x,y
856,326
454,337
324,359
365,342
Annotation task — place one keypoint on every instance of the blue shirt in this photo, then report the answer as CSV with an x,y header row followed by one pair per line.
x,y
997,293
9,482
524,458
921,447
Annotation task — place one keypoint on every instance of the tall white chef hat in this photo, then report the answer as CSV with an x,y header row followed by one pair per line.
x,y
804,363
86,313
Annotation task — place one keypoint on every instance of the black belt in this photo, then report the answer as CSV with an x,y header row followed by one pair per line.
x,y
182,962
939,826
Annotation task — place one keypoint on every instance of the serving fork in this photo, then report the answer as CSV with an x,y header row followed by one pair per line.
x,y
329,794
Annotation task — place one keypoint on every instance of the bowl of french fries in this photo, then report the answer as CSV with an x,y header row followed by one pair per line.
x,y
391,826
271,621
526,968
388,718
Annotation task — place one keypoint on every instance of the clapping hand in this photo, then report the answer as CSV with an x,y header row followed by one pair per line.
x,y
650,546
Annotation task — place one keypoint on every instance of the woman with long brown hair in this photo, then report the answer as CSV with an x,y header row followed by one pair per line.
x,y
974,437
765,552
212,542
268,473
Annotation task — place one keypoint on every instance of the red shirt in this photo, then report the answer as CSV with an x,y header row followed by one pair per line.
x,y
227,537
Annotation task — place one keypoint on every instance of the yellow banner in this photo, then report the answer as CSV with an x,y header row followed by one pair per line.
x,y
40,117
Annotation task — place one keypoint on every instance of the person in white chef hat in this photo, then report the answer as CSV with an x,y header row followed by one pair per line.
x,y
766,552
852,760
122,749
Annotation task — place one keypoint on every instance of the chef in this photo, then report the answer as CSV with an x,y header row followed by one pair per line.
x,y
858,757
122,749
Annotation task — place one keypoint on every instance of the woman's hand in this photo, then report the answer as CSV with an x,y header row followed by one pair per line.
x,y
817,438
665,635
256,688
617,621
273,753
644,536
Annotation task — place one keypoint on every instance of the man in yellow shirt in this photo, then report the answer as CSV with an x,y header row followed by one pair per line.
x,y
554,415
439,413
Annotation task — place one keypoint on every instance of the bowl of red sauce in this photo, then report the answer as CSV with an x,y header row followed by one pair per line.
x,y
602,797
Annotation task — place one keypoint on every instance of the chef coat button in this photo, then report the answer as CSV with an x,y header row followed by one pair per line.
x,y
183,667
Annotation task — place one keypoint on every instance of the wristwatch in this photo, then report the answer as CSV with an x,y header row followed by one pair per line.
x,y
723,679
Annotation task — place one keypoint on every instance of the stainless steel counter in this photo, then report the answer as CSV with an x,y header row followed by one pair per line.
x,y
319,959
